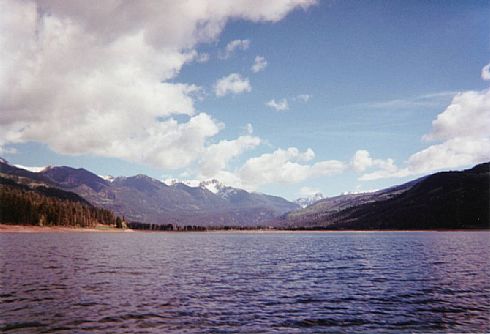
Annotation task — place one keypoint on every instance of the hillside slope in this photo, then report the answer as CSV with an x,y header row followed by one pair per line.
x,y
21,204
450,200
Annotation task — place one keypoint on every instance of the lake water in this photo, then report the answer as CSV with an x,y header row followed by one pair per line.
x,y
389,282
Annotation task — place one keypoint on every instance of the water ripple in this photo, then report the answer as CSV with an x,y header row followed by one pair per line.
x,y
245,283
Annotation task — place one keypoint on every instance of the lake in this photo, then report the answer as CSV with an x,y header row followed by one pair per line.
x,y
384,282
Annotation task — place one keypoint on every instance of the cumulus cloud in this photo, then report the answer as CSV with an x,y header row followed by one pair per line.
x,y
259,64
286,166
452,153
463,134
362,160
485,72
468,115
463,128
216,157
281,105
88,77
392,172
233,83
231,47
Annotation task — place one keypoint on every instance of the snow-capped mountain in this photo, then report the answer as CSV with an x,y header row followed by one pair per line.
x,y
306,201
189,183
141,198
213,186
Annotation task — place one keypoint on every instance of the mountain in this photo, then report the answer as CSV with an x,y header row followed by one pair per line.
x,y
328,208
68,177
143,199
28,203
309,200
442,200
236,197
22,175
213,186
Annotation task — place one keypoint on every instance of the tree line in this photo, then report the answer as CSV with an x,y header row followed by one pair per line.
x,y
192,228
43,206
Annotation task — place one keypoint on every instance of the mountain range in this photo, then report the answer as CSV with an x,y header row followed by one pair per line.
x,y
141,198
441,200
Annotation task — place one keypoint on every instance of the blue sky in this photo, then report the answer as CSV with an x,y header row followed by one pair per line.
x,y
367,77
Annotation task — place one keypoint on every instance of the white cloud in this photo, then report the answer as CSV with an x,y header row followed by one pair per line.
x,y
216,157
187,182
303,97
452,153
468,115
88,77
464,128
281,105
285,166
232,84
463,132
485,72
259,64
231,47
362,160
384,173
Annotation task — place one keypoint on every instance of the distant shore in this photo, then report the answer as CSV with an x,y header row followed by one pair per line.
x,y
5,228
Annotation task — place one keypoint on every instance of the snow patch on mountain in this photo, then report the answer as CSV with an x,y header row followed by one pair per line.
x,y
189,183
213,185
308,200
227,192
30,168
109,178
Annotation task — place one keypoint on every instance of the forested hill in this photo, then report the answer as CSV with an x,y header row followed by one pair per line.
x,y
445,200
41,205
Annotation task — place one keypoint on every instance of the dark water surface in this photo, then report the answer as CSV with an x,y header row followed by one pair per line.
x,y
389,282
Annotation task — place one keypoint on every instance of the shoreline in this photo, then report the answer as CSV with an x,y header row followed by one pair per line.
x,y
5,228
